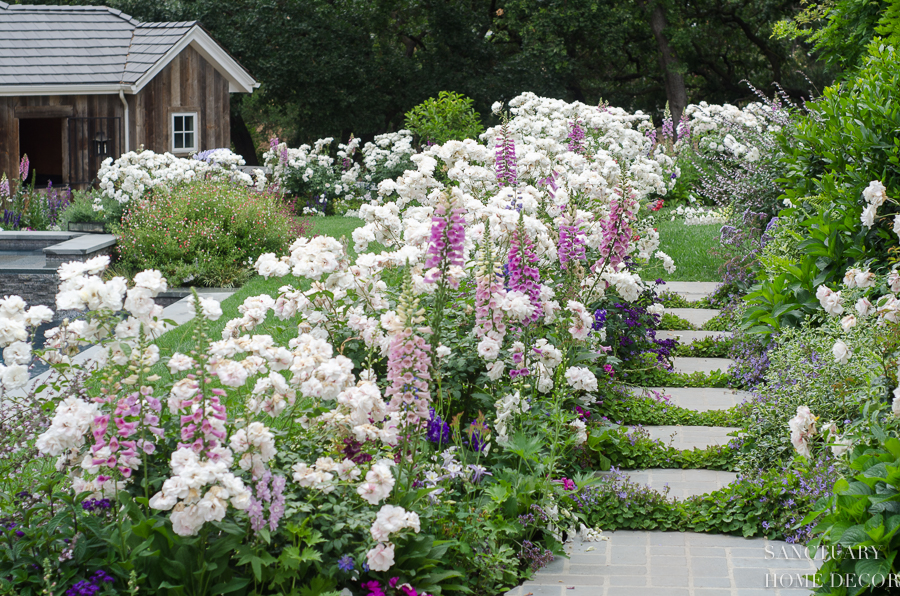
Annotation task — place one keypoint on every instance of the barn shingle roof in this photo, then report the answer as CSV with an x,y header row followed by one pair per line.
x,y
80,45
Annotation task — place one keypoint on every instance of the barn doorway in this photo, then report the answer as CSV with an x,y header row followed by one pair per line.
x,y
42,140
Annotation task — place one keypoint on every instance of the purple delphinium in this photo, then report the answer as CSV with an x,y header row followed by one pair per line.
x,y
478,433
438,430
92,505
345,563
91,586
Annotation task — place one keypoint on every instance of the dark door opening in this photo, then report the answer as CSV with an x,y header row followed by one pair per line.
x,y
41,139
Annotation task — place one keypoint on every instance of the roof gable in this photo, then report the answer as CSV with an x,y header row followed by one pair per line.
x,y
51,50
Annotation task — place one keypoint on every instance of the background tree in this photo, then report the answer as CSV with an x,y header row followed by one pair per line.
x,y
329,68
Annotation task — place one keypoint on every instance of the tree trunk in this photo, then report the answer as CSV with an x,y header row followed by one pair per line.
x,y
668,62
240,135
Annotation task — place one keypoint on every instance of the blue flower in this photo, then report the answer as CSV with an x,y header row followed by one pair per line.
x,y
345,563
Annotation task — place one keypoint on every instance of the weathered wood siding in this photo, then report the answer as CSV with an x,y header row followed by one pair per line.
x,y
188,84
78,106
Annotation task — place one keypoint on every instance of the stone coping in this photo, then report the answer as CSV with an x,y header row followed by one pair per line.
x,y
31,241
28,235
28,271
84,244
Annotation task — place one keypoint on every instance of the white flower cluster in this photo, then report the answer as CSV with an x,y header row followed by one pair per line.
x,y
321,475
389,520
256,446
348,178
131,175
71,422
581,378
700,216
875,196
508,406
15,321
803,428
184,490
705,118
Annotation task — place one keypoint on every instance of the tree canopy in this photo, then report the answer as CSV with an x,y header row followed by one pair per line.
x,y
332,67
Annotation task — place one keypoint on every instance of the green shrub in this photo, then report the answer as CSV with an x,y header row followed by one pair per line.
x,y
204,233
449,117
82,210
862,515
708,347
633,449
803,372
846,141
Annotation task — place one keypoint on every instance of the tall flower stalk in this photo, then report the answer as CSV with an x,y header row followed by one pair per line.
x,y
617,232
523,272
445,258
408,368
506,157
571,243
488,314
576,138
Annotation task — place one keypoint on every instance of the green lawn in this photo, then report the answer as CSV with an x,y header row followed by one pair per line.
x,y
179,339
694,248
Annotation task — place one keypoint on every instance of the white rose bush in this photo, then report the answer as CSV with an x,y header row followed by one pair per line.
x,y
327,435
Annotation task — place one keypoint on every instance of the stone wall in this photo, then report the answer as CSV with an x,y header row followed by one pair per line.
x,y
34,287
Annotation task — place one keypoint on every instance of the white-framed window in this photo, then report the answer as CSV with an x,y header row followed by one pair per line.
x,y
184,131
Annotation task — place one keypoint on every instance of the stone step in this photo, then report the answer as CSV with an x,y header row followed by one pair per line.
x,y
682,484
689,337
695,316
633,563
686,438
691,290
700,399
706,365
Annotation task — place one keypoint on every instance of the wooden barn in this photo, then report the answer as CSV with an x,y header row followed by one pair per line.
x,y
79,84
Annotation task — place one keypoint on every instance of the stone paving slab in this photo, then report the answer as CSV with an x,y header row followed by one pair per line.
x,y
706,365
682,484
691,290
694,316
700,399
689,337
691,437
674,564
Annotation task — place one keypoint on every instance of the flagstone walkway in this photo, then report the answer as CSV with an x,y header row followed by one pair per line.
x,y
680,563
